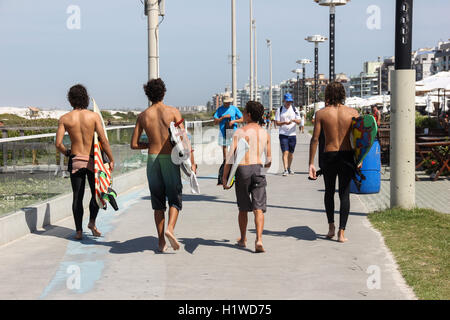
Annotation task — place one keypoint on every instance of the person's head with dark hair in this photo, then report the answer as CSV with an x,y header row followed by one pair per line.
x,y
155,90
254,111
334,94
78,97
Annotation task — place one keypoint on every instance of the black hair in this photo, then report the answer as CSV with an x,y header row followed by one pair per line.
x,y
256,111
334,94
78,97
155,90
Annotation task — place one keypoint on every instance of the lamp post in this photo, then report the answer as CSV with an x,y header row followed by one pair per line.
x,y
402,146
304,62
269,45
297,71
332,4
233,51
256,60
361,80
316,39
308,84
251,50
152,11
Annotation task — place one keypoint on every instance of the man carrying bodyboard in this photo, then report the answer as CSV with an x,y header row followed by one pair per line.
x,y
338,157
81,124
163,174
250,183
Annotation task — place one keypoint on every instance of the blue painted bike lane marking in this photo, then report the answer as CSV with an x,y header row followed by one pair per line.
x,y
84,261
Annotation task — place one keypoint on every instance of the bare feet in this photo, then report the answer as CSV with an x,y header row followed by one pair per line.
x,y
173,241
242,243
94,230
162,247
79,235
259,247
341,237
331,231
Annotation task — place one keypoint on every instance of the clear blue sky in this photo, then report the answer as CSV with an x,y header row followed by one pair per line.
x,y
40,58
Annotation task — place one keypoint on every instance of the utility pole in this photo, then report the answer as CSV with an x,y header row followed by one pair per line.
x,y
251,50
316,39
256,60
402,146
269,45
152,12
233,52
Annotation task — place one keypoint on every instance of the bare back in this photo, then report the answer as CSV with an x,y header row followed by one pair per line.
x,y
80,124
336,123
155,121
258,140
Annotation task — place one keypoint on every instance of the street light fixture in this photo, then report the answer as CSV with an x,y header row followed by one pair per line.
x,y
304,62
332,4
316,39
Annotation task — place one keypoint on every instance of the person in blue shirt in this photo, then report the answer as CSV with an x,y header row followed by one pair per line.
x,y
227,117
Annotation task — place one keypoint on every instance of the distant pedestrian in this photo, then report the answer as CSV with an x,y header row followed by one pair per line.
x,y
302,120
287,117
335,120
376,114
227,117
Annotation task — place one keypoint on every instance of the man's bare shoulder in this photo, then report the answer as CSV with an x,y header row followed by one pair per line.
x,y
351,111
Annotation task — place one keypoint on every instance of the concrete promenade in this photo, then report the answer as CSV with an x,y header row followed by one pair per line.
x,y
299,263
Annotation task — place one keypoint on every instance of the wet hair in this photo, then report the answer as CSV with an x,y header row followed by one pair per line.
x,y
256,111
334,93
78,97
155,90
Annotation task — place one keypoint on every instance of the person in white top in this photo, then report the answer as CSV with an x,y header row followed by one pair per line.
x,y
287,117
302,120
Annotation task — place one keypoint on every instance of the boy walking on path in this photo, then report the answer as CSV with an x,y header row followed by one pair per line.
x,y
335,120
81,124
250,181
287,117
163,173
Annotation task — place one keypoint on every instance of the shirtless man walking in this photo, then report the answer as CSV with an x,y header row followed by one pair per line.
x,y
81,125
250,184
163,174
335,120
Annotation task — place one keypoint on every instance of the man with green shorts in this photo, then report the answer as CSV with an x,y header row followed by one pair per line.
x,y
163,174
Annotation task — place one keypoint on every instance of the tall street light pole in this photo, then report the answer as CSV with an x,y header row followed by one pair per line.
x,y
316,39
304,62
233,52
255,61
402,146
152,12
269,45
332,4
297,71
251,50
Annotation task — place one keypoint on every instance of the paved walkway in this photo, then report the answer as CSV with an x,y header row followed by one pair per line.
x,y
123,264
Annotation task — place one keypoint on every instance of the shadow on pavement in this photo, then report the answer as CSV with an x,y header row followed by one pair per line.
x,y
191,244
300,233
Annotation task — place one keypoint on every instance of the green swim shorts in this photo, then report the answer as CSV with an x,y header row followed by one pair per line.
x,y
164,181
